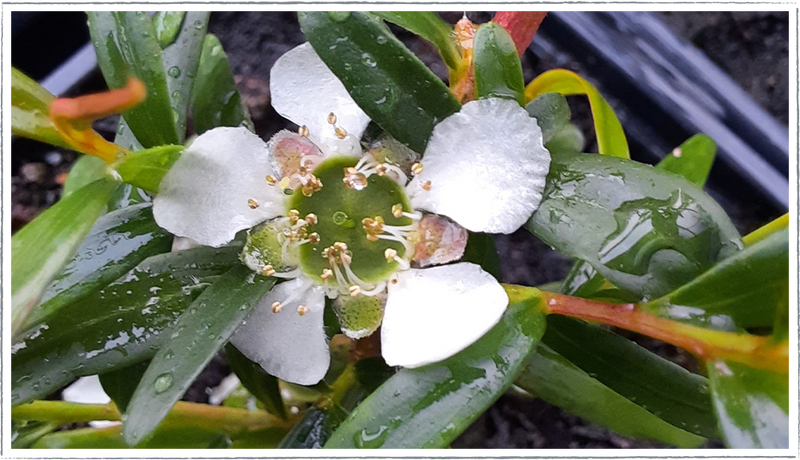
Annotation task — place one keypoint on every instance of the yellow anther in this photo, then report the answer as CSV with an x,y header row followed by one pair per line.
x,y
332,118
268,271
303,131
390,254
397,210
252,203
355,290
326,274
294,216
426,186
276,307
311,219
284,183
340,132
302,310
313,238
416,168
339,246
381,169
271,180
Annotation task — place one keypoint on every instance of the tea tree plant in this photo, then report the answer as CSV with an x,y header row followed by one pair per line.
x,y
347,268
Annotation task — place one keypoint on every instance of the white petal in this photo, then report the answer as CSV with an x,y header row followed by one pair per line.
x,y
205,195
86,390
305,91
291,347
487,166
434,313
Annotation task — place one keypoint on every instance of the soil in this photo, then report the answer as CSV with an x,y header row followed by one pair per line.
x,y
752,47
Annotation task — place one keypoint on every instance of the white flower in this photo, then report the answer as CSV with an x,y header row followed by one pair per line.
x,y
348,225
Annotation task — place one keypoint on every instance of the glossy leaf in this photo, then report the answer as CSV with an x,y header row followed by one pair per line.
x,y
386,80
315,428
610,136
551,112
429,26
30,110
215,98
117,242
24,434
181,59
120,384
497,68
41,248
752,405
168,25
126,44
170,437
646,231
83,172
198,334
691,160
482,250
146,168
553,378
766,230
742,291
256,380
432,405
115,327
661,387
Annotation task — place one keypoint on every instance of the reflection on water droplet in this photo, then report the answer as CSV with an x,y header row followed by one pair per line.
x,y
163,382
174,72
198,24
176,95
339,218
339,16
371,439
381,39
368,60
347,66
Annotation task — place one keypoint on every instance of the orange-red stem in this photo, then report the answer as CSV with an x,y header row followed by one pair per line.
x,y
521,25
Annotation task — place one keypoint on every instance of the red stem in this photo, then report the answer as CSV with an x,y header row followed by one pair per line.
x,y
521,25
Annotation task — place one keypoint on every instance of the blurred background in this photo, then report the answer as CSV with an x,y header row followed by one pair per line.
x,y
666,75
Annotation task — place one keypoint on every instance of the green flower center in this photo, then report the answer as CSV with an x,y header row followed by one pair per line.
x,y
355,221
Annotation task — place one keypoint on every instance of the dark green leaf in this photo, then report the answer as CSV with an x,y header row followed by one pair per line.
x,y
84,171
553,378
551,112
115,327
215,98
120,384
742,291
692,160
25,434
388,82
181,60
429,26
197,336
146,168
41,249
481,250
126,45
315,428
117,243
568,140
752,405
498,70
432,405
30,110
256,380
645,230
661,387
168,24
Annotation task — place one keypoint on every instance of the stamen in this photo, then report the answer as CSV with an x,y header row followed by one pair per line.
x,y
313,238
332,118
252,203
303,131
390,254
326,274
268,271
271,180
294,215
416,168
302,310
426,186
284,183
355,290
397,210
276,307
311,218
340,132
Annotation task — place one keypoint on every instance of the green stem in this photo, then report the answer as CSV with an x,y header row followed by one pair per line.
x,y
778,224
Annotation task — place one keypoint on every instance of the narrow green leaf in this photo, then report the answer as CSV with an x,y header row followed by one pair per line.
x,y
256,380
429,26
83,172
215,98
482,250
170,437
692,160
117,242
30,111
551,112
432,405
146,168
114,327
568,140
645,230
41,249
661,387
25,434
168,24
120,384
126,45
315,428
553,378
197,336
611,138
752,405
766,230
181,60
498,70
388,82
742,291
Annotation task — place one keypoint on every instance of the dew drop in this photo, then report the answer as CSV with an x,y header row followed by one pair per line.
x,y
163,382
381,39
174,72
